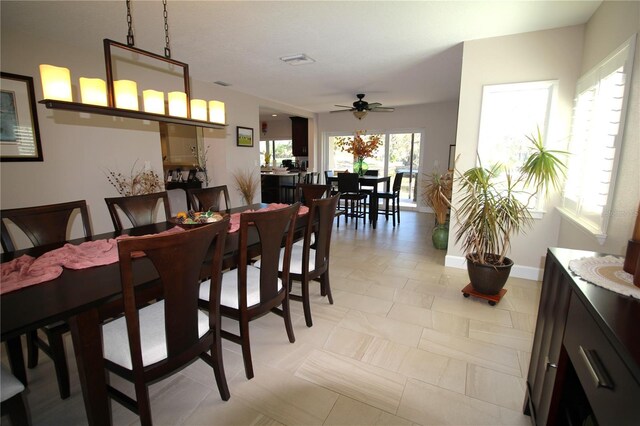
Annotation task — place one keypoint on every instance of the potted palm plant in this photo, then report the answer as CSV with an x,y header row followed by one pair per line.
x,y
493,207
437,195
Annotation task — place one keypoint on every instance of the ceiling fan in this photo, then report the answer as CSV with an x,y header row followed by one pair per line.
x,y
360,107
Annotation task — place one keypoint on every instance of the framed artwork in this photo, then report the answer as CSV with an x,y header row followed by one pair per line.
x,y
245,136
19,131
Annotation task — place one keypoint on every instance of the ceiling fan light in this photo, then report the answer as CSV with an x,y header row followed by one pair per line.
x,y
360,114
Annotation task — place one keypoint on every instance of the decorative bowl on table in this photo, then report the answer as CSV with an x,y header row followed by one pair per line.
x,y
280,170
193,219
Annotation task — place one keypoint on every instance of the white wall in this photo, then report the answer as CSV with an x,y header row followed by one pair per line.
x,y
78,148
437,120
610,26
543,55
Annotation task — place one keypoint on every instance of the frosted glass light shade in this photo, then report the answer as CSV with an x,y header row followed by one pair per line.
x,y
93,91
199,109
56,82
126,94
178,104
153,101
216,112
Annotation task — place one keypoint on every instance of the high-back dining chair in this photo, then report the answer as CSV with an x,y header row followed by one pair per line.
x,y
152,341
140,209
13,400
394,196
311,260
307,192
45,225
354,198
249,292
205,199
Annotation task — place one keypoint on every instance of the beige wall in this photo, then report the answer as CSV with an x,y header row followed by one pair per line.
x,y
543,55
610,26
437,121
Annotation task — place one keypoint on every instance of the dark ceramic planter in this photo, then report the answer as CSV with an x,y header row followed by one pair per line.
x,y
487,278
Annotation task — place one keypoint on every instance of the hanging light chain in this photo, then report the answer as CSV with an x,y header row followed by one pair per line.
x,y
130,41
167,49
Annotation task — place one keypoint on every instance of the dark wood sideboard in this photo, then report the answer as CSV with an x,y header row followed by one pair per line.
x,y
585,359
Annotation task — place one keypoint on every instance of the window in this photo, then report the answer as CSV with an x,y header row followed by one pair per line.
x,y
596,137
399,152
510,113
279,150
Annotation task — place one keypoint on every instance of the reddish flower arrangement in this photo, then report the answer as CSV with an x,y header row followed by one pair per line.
x,y
359,147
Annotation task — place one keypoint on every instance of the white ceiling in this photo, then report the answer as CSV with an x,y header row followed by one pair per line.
x,y
397,52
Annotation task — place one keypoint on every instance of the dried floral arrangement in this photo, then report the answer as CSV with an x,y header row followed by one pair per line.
x,y
246,184
437,194
358,146
139,182
201,154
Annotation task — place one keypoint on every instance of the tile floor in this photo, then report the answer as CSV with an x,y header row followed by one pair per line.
x,y
400,346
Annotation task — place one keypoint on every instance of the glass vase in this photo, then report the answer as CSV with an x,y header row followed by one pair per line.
x,y
360,167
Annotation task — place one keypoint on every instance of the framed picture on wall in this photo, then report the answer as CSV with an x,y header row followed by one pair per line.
x,y
19,131
244,136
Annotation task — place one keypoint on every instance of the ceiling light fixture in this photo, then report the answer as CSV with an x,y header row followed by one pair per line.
x,y
120,97
360,114
299,59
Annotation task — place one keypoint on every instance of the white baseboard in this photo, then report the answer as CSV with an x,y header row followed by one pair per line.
x,y
517,271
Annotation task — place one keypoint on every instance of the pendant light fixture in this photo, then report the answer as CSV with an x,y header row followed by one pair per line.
x,y
120,97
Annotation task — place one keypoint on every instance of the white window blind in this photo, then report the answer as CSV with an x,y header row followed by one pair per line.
x,y
596,137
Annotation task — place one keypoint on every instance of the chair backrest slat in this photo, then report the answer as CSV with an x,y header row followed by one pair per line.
x,y
43,224
204,199
320,222
177,258
139,209
307,192
273,228
397,182
348,183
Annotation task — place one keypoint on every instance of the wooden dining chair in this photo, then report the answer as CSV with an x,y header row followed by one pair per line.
x,y
139,209
307,192
249,292
205,199
152,341
354,198
13,400
46,225
311,260
394,196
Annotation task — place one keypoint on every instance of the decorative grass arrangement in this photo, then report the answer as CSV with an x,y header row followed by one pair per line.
x,y
139,182
437,194
247,183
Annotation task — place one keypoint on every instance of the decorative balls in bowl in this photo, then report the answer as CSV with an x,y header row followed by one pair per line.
x,y
280,170
193,219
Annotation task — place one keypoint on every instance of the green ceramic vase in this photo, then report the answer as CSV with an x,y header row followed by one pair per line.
x,y
440,237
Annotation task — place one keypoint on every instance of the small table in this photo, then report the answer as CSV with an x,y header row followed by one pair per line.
x,y
372,181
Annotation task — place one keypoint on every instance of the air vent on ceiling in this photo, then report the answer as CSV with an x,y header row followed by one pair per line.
x,y
299,59
222,83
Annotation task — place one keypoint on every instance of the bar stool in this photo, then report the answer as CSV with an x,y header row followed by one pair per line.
x,y
394,196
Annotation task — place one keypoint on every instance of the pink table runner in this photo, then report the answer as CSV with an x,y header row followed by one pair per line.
x,y
26,270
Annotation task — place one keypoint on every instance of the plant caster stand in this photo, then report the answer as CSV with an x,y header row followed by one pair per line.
x,y
491,298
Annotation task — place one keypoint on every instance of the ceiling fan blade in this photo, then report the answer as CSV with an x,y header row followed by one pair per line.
x,y
382,109
374,104
341,110
344,106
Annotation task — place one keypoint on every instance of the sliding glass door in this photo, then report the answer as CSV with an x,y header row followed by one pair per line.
x,y
400,152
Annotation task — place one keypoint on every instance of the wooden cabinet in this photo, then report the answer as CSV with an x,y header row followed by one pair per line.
x,y
300,136
586,350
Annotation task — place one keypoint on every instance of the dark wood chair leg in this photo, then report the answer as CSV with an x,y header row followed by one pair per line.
x,y
306,304
16,359
32,349
393,211
286,314
218,368
246,346
58,355
398,210
144,405
16,408
325,285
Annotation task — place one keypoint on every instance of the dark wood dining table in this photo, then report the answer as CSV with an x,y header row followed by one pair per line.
x,y
76,296
370,181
